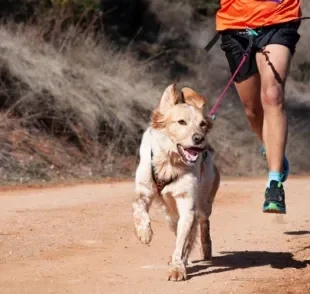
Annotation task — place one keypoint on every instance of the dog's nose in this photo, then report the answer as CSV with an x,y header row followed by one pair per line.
x,y
197,139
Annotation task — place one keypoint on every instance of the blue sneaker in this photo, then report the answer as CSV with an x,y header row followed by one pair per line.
x,y
286,166
274,199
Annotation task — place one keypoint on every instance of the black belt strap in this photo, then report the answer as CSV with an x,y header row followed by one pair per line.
x,y
212,42
216,37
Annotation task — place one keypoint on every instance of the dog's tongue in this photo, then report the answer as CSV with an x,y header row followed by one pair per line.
x,y
191,154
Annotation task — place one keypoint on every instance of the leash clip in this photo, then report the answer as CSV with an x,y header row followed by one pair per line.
x,y
251,32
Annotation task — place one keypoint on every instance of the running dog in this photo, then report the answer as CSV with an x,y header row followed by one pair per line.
x,y
177,169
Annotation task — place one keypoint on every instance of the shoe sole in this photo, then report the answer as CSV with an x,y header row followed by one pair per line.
x,y
273,208
274,211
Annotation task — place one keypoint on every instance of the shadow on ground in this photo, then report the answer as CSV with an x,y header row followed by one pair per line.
x,y
297,233
246,259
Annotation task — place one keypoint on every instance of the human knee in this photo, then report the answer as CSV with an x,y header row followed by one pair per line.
x,y
272,95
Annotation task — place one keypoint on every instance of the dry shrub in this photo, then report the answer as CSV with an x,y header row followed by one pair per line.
x,y
93,98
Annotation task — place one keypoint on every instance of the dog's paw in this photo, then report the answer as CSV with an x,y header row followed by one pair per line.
x,y
144,234
169,260
177,273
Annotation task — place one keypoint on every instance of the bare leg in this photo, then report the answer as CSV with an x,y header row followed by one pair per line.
x,y
249,93
273,64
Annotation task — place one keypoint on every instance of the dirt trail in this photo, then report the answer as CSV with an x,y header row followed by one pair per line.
x,y
80,240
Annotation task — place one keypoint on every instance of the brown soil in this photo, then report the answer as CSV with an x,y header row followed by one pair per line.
x,y
80,239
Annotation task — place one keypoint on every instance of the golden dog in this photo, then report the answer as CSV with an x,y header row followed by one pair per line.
x,y
177,169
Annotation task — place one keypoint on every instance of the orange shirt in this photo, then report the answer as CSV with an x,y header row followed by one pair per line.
x,y
239,14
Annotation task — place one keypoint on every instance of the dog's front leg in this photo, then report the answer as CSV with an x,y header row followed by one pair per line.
x,y
141,204
144,192
185,230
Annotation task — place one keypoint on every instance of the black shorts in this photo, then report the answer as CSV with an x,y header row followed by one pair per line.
x,y
235,42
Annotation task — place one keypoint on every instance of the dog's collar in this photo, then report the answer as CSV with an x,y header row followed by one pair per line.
x,y
160,184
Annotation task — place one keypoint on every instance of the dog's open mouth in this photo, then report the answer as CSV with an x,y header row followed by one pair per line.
x,y
189,155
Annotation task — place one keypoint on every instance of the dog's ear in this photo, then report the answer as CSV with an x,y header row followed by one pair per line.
x,y
193,98
169,98
205,111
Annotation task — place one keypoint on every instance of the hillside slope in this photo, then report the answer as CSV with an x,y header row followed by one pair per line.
x,y
78,109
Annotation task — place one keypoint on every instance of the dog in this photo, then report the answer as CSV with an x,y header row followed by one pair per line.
x,y
176,168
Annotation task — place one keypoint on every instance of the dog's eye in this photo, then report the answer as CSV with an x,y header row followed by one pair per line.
x,y
182,122
203,124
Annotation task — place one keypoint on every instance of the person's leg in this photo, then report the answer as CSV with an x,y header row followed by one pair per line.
x,y
283,36
273,64
247,81
249,93
248,84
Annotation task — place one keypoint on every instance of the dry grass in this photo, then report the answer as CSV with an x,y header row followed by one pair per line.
x,y
78,109
88,96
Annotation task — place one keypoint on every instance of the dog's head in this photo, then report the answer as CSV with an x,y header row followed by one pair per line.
x,y
183,117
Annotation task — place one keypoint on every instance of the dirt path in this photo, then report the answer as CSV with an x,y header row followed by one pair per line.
x,y
80,240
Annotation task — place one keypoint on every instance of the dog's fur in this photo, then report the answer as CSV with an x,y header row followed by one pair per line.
x,y
187,199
